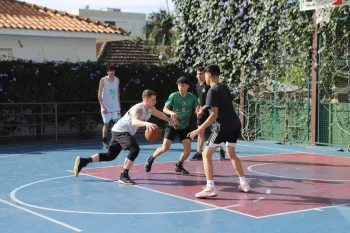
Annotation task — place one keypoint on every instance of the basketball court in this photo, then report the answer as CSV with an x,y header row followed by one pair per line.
x,y
295,189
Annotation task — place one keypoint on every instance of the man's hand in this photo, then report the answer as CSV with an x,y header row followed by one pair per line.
x,y
104,110
174,116
151,126
174,123
194,133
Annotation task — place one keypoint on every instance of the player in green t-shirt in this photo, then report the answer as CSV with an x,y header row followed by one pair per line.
x,y
180,105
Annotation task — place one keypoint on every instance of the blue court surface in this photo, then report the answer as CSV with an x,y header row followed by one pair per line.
x,y
295,189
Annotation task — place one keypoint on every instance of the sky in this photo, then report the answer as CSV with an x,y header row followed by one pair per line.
x,y
135,6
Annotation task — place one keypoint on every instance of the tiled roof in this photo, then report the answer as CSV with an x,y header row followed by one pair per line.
x,y
124,52
21,15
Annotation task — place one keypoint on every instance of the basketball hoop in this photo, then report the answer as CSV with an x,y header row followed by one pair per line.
x,y
323,10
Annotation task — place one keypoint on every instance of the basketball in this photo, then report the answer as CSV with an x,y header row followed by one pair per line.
x,y
153,135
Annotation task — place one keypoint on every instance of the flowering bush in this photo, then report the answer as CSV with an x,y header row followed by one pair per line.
x,y
30,81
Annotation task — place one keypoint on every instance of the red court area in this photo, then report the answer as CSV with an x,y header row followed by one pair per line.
x,y
281,183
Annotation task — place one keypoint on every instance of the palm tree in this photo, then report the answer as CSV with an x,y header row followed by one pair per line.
x,y
160,27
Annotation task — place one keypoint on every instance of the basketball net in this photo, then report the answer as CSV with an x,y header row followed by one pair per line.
x,y
323,10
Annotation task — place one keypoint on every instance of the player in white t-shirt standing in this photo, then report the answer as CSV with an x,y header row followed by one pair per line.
x,y
123,135
109,98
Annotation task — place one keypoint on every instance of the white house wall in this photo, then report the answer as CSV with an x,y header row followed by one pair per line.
x,y
49,48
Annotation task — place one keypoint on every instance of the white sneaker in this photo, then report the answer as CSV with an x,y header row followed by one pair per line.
x,y
244,187
207,192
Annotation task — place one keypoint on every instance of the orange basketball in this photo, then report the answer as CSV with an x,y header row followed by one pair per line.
x,y
153,135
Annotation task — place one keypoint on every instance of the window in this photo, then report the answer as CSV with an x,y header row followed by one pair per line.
x,y
5,53
110,22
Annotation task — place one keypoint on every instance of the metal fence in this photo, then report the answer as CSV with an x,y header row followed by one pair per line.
x,y
53,122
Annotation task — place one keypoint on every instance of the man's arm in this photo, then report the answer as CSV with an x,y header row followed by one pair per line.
x,y
161,115
135,118
234,105
212,117
99,95
119,91
167,110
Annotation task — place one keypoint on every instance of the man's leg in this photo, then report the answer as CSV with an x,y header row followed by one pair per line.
x,y
106,119
129,143
210,190
200,142
186,143
166,145
113,151
237,165
169,135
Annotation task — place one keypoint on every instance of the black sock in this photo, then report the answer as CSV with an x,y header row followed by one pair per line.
x,y
179,164
151,158
125,172
105,139
86,160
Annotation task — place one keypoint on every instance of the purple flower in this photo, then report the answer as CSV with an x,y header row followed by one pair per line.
x,y
284,11
230,44
241,12
49,84
5,75
272,9
12,70
34,62
270,28
251,11
152,78
56,64
244,24
1,90
124,89
14,79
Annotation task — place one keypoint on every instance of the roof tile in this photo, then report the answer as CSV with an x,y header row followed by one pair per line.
x,y
17,14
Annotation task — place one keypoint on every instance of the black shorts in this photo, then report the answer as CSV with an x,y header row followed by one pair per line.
x,y
170,133
201,120
204,117
227,137
122,141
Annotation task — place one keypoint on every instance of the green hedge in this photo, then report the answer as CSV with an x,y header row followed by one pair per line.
x,y
29,81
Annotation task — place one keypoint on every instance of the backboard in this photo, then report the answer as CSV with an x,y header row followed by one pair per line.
x,y
306,5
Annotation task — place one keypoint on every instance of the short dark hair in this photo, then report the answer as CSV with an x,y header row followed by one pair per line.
x,y
200,68
146,94
183,80
213,70
110,68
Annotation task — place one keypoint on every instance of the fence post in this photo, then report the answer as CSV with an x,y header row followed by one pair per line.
x,y
314,69
56,123
242,97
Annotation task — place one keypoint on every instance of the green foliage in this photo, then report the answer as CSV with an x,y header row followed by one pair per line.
x,y
232,34
29,81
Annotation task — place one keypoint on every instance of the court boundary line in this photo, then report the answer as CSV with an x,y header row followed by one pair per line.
x,y
287,177
41,216
15,199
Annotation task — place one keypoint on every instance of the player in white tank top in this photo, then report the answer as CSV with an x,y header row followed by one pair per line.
x,y
123,135
109,98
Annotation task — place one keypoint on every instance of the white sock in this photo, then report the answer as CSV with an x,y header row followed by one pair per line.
x,y
242,180
210,183
200,151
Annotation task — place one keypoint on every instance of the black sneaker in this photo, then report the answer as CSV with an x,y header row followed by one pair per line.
x,y
125,179
222,154
148,165
180,168
78,165
197,156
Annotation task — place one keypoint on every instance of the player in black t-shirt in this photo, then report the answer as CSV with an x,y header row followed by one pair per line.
x,y
226,129
201,91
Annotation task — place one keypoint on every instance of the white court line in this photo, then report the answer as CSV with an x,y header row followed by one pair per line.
x,y
41,216
14,198
250,168
299,211
260,198
295,151
46,150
